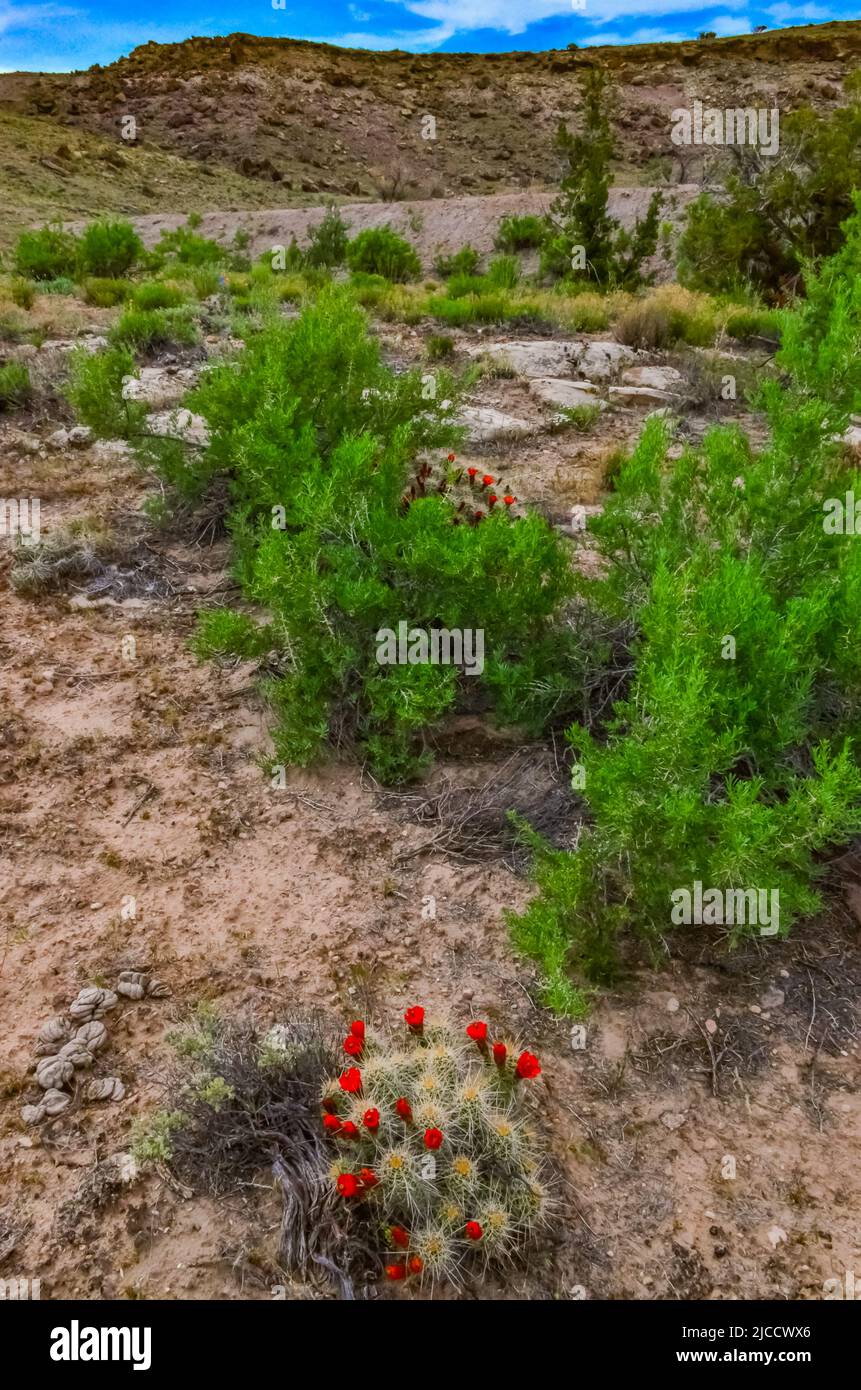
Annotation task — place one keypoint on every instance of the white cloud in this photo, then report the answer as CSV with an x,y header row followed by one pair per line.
x,y
16,17
515,16
784,12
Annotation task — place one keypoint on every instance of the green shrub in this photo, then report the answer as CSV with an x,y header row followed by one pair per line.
x,y
328,241
95,392
753,323
23,293
61,284
380,251
184,246
46,254
519,233
728,760
109,249
156,294
14,384
105,293
145,329
503,272
462,262
438,346
667,316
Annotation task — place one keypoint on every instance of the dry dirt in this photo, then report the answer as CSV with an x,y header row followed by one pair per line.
x,y
708,1136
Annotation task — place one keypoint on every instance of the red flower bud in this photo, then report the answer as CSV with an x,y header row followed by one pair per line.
x,y
416,1265
452,457
472,472
371,1118
478,1032
331,1123
404,1109
508,499
399,1236
488,480
396,1272
368,1177
433,1138
350,1080
353,1046
473,1231
500,1052
415,1017
357,1028
349,1130
492,499
348,1184
527,1066
478,515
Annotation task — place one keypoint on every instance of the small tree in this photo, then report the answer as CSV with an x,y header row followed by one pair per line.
x,y
580,218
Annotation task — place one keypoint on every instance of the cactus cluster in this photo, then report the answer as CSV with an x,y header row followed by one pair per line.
x,y
434,1147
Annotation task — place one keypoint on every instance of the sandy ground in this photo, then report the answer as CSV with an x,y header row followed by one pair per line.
x,y
708,1134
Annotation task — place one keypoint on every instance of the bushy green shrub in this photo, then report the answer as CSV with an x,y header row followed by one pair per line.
x,y
339,532
61,284
462,262
109,249
157,294
95,392
520,233
667,316
728,761
23,293
328,241
380,251
105,293
753,323
45,254
144,329
185,246
14,384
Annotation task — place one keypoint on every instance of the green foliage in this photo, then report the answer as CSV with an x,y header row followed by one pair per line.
x,y
223,631
15,385
157,294
728,759
328,241
23,293
520,233
47,253
183,245
753,323
339,533
152,1137
778,214
61,284
580,216
105,293
665,317
95,392
145,329
380,251
109,249
438,346
462,262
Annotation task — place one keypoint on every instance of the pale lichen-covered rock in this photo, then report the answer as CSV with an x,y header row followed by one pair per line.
x,y
484,424
159,386
551,358
658,378
179,424
565,394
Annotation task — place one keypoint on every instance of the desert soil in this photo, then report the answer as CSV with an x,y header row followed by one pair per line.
x,y
707,1136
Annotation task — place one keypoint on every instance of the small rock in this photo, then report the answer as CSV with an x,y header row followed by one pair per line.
x,y
772,998
776,1236
671,1120
673,1005
80,437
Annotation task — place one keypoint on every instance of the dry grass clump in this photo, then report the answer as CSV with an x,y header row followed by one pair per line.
x,y
668,315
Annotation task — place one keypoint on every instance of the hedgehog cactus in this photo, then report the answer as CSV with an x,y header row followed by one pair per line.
x,y
431,1141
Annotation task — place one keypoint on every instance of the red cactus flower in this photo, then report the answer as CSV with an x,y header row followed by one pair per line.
x,y
351,1081
399,1236
416,1265
348,1184
357,1028
527,1066
433,1138
472,472
452,457
488,480
415,1018
371,1118
509,500
500,1052
331,1123
353,1046
367,1177
396,1272
349,1130
478,1032
472,1230
478,515
404,1109
492,499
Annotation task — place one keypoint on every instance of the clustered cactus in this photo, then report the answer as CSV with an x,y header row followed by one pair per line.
x,y
432,1142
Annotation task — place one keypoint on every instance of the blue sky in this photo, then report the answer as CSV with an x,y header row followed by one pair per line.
x,y
59,35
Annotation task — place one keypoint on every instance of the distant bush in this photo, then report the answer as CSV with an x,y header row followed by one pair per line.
x,y
15,385
105,293
503,272
753,323
185,246
95,392
438,346
109,249
328,241
61,284
667,316
23,293
380,251
45,254
144,329
519,233
157,294
462,262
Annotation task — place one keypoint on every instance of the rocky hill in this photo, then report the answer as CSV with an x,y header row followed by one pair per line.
x,y
275,122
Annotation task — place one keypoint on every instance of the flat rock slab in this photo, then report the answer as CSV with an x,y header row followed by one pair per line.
x,y
159,386
179,424
658,378
550,358
565,394
485,424
638,395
